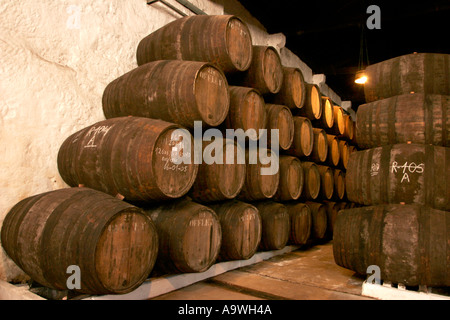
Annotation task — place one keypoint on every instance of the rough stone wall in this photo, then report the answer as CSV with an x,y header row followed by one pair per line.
x,y
56,58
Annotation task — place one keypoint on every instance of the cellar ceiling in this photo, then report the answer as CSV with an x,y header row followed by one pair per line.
x,y
326,34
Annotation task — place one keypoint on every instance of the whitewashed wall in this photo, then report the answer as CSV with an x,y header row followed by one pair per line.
x,y
56,58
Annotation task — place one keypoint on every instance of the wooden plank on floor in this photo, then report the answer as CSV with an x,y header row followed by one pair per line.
x,y
281,288
206,291
312,267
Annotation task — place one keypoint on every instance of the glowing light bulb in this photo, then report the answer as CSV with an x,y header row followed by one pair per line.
x,y
361,78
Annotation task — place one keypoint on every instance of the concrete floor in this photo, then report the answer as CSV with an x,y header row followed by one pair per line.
x,y
309,274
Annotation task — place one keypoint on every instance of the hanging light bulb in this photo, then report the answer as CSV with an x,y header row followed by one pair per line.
x,y
361,77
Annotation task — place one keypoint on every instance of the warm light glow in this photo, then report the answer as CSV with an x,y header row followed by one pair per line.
x,y
360,78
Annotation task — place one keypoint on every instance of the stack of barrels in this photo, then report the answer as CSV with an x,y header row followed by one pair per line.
x,y
141,199
323,140
402,175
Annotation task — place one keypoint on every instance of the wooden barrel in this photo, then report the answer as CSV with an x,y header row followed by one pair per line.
x,y
291,179
351,149
175,91
189,234
312,108
265,73
409,243
221,39
113,243
408,173
320,147
241,229
344,154
420,73
292,92
326,120
280,118
354,141
129,156
417,118
258,185
326,182
247,111
303,141
338,128
333,209
275,225
333,154
348,128
339,184
218,177
311,187
300,220
319,220
351,205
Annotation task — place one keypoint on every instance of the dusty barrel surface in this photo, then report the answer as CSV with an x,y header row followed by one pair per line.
x,y
418,118
344,154
333,154
221,39
130,156
320,147
265,73
275,225
312,109
319,219
189,234
261,177
408,242
326,120
409,173
338,128
311,187
420,73
348,128
114,244
326,182
241,229
339,184
247,111
303,140
280,118
175,91
291,179
333,209
221,176
300,220
292,92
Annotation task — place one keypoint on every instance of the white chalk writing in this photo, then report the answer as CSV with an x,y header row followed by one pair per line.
x,y
95,131
374,169
211,76
248,216
201,223
407,169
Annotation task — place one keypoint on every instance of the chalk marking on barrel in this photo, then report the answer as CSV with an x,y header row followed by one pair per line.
x,y
412,168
